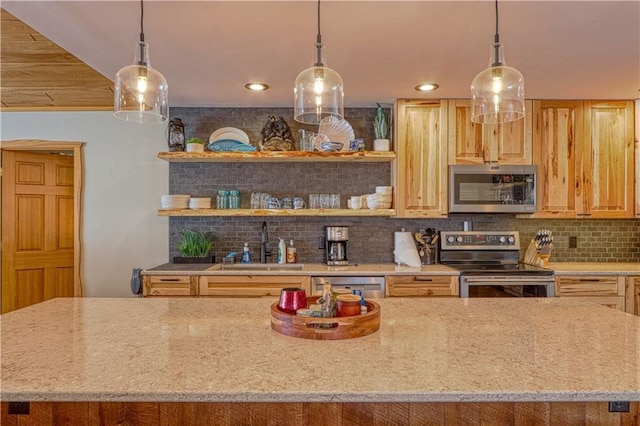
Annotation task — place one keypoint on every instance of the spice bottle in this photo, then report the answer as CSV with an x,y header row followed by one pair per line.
x,y
292,253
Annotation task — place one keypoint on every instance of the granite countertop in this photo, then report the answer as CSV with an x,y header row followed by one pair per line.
x,y
364,269
317,269
174,349
591,268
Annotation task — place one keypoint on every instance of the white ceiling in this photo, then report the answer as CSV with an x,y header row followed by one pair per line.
x,y
208,50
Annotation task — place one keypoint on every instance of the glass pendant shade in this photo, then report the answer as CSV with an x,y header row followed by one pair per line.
x,y
141,93
497,93
318,92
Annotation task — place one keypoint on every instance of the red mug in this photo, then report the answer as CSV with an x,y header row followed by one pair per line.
x,y
292,299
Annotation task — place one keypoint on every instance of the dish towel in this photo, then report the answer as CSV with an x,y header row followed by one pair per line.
x,y
405,250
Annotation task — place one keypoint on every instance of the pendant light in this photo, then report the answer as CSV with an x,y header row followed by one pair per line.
x,y
141,94
497,93
318,91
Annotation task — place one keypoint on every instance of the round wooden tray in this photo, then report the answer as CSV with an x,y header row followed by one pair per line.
x,y
334,328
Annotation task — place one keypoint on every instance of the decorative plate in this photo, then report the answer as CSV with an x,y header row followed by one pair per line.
x,y
229,145
337,130
229,133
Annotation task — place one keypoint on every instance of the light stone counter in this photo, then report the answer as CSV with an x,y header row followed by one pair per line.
x,y
317,269
595,268
175,349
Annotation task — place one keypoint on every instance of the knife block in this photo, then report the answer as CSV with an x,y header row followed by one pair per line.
x,y
537,256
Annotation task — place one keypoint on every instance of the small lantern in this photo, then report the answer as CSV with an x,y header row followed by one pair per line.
x,y
175,135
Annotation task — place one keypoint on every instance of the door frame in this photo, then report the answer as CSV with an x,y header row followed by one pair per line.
x,y
76,148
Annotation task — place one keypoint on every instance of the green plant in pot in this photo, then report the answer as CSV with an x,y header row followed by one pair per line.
x,y
195,247
381,130
195,145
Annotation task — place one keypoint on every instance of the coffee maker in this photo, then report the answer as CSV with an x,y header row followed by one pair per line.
x,y
336,246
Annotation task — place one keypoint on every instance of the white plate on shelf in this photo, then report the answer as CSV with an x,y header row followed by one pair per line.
x,y
229,133
337,130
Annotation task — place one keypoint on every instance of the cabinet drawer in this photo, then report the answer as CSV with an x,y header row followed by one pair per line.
x,y
615,302
170,285
422,285
590,286
250,285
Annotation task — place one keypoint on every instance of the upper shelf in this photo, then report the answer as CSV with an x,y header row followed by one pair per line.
x,y
278,157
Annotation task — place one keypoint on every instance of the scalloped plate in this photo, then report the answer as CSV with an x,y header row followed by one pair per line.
x,y
337,130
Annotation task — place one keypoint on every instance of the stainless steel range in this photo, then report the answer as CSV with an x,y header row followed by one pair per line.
x,y
489,265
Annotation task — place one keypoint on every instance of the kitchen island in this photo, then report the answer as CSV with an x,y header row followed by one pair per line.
x,y
444,359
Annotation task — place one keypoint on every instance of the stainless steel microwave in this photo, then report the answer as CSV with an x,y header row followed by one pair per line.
x,y
492,188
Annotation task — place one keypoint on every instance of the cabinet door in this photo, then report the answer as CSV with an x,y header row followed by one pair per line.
x,y
557,130
169,285
607,166
420,169
637,157
632,295
250,285
472,143
606,290
422,285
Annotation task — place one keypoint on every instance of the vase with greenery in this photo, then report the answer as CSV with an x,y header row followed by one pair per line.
x,y
195,145
381,130
195,247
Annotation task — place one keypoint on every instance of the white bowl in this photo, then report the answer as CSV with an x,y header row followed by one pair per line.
x,y
384,189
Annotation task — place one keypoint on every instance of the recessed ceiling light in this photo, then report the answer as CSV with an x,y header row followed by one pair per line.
x,y
256,87
426,87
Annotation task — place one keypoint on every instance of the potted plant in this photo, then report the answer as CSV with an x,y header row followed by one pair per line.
x,y
195,145
381,131
195,247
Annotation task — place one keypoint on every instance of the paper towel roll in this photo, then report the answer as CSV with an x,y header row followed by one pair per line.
x,y
405,250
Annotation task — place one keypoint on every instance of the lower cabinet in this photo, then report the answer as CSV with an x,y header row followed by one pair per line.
x,y
422,285
633,295
169,285
250,285
606,290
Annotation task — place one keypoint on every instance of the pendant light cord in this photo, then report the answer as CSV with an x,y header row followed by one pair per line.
x,y
319,42
496,43
143,59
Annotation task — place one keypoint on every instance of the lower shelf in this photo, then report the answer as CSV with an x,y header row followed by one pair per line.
x,y
277,212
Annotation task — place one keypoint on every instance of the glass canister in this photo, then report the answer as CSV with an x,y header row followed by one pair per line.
x,y
234,199
222,199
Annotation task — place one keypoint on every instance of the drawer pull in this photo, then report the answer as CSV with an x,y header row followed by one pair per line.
x,y
167,280
423,279
589,280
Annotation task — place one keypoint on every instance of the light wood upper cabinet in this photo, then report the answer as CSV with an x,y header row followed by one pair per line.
x,y
472,143
585,157
419,173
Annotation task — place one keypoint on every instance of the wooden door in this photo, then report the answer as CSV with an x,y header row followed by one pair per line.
x,y
472,143
557,130
420,169
37,228
607,166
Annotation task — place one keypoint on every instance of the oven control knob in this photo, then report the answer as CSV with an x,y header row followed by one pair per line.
x,y
449,239
459,239
503,239
512,240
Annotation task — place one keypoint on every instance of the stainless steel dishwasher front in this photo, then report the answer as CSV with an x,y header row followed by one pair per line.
x,y
371,287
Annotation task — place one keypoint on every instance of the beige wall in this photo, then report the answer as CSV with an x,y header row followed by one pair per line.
x,y
123,182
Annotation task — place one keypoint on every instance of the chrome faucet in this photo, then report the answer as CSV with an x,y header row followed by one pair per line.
x,y
264,239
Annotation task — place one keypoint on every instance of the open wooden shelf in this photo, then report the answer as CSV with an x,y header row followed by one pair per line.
x,y
278,157
277,212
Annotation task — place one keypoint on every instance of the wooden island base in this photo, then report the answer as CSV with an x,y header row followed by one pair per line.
x,y
334,414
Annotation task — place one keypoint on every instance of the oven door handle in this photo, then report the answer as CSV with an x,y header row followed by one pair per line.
x,y
514,280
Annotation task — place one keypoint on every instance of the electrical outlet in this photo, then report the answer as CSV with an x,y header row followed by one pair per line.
x,y
322,243
573,242
618,406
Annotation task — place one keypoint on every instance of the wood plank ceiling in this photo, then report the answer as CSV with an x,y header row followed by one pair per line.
x,y
37,74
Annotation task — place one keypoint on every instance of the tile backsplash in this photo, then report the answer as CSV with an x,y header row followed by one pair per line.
x,y
370,238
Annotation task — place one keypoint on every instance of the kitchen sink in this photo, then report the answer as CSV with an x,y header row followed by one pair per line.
x,y
262,267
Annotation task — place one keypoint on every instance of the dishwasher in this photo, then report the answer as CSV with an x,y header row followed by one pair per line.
x,y
371,287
